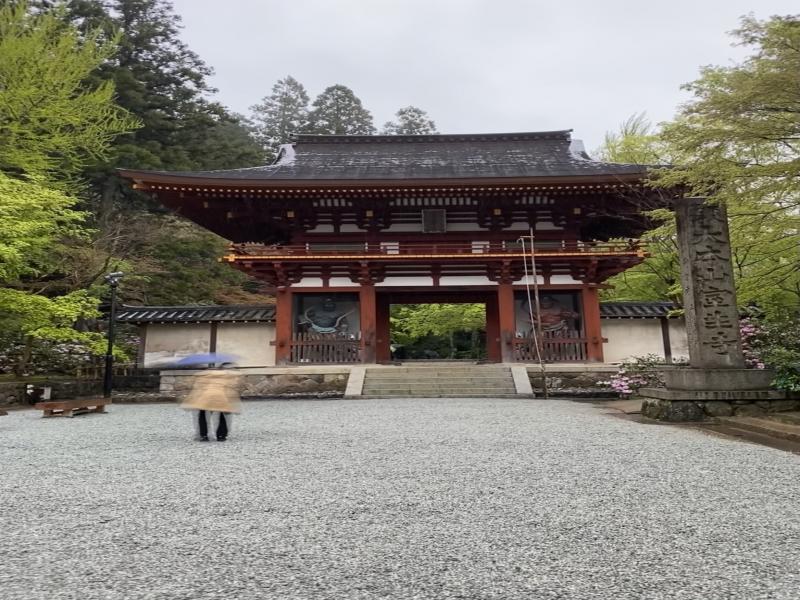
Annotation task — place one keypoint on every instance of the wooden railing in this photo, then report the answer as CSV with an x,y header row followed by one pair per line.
x,y
561,346
396,248
324,348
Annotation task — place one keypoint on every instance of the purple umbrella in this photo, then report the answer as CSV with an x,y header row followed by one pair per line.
x,y
208,358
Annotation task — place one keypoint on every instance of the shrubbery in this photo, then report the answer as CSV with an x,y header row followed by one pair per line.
x,y
772,343
636,373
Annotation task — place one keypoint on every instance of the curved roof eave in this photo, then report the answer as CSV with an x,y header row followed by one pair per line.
x,y
156,177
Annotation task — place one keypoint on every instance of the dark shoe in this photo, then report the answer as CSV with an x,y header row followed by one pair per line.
x,y
203,438
221,439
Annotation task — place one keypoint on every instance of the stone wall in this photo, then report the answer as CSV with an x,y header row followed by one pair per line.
x,y
300,383
579,381
15,392
688,410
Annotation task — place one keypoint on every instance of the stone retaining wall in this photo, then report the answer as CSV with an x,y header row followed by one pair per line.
x,y
578,381
678,411
303,383
15,392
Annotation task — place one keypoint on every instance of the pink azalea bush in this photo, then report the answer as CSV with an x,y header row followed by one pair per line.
x,y
636,373
751,332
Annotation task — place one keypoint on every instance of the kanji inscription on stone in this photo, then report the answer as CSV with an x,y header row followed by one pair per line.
x,y
709,297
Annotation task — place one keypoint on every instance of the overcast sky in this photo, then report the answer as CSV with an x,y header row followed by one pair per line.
x,y
474,65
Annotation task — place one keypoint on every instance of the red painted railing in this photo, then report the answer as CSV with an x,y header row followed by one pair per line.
x,y
389,249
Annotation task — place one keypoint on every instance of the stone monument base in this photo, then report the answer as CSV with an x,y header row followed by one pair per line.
x,y
696,394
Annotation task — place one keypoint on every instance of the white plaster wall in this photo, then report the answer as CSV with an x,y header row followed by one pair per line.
x,y
678,340
342,282
400,281
308,282
465,227
563,279
168,343
466,280
547,226
529,279
394,227
324,228
350,228
628,338
519,226
249,341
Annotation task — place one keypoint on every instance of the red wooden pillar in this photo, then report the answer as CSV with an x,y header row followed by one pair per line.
x,y
493,353
590,301
283,326
507,320
368,307
383,351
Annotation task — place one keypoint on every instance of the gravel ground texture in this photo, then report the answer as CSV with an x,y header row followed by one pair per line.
x,y
363,499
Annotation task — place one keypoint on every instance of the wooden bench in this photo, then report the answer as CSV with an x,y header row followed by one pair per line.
x,y
70,408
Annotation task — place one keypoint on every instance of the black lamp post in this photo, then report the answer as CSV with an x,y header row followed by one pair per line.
x,y
112,279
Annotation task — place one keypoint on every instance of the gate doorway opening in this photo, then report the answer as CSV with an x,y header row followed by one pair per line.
x,y
437,331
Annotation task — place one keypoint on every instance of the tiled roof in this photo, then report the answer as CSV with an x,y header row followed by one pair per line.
x,y
426,157
635,310
195,314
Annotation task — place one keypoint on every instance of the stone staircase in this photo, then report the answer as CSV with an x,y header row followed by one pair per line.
x,y
439,380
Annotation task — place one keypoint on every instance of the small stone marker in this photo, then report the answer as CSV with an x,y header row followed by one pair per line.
x,y
716,382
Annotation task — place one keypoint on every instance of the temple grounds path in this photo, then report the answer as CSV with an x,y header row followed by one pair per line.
x,y
469,499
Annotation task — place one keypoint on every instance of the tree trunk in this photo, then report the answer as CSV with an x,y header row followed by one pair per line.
x,y
25,357
452,345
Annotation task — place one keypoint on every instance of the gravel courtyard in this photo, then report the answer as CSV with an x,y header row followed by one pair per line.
x,y
437,499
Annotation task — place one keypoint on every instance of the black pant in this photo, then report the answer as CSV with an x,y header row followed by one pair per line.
x,y
222,427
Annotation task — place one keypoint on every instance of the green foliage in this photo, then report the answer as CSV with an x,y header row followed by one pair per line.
x,y
337,111
636,373
52,124
737,141
740,133
189,252
410,121
161,81
281,114
35,316
776,341
637,142
412,323
417,320
35,220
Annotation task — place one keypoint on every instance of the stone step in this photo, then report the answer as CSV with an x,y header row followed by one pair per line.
x,y
441,371
442,381
443,384
464,395
416,391
792,418
764,426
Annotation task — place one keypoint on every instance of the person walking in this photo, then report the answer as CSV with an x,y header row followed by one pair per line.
x,y
215,391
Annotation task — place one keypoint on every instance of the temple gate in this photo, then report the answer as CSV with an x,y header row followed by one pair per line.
x,y
344,226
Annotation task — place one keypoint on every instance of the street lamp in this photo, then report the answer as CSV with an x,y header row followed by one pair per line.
x,y
112,279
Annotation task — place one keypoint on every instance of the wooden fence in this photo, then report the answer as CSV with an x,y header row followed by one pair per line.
x,y
325,348
559,346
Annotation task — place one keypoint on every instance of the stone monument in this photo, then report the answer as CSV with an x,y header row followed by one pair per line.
x,y
716,383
